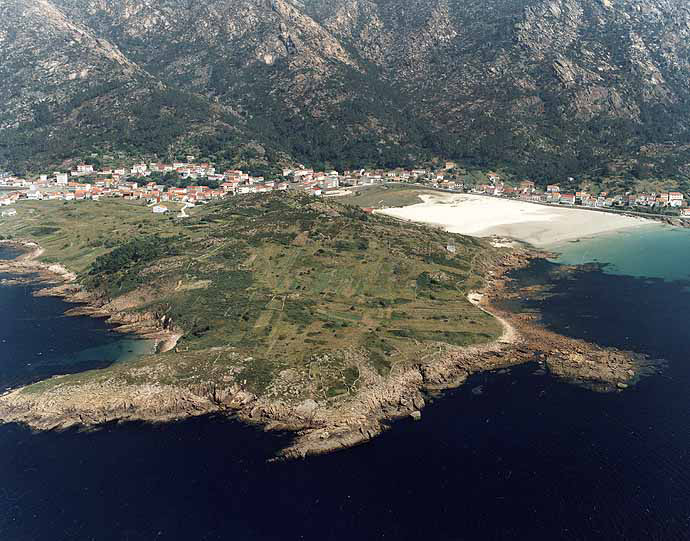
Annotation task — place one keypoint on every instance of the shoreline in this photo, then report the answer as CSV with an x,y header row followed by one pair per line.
x,y
61,283
536,225
676,221
320,427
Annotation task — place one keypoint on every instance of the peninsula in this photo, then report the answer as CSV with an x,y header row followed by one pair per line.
x,y
286,310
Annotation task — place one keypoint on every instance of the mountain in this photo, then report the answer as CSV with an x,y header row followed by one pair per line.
x,y
545,88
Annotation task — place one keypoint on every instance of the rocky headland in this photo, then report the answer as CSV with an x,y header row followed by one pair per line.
x,y
57,281
319,425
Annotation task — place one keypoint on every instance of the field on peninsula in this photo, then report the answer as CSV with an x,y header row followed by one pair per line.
x,y
289,296
385,195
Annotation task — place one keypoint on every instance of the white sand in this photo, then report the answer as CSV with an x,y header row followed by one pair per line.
x,y
538,225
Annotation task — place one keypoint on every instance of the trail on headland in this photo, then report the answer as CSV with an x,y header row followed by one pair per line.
x,y
323,427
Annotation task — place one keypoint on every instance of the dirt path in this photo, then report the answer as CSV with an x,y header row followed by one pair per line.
x,y
510,334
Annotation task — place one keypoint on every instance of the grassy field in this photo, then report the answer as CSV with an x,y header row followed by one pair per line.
x,y
385,196
290,295
75,233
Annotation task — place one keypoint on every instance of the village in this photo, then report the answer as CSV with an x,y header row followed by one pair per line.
x,y
528,191
199,183
202,183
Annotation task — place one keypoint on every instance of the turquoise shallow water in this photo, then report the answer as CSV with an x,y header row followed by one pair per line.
x,y
37,339
653,251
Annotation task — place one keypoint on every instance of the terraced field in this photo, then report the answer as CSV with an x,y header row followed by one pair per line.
x,y
286,294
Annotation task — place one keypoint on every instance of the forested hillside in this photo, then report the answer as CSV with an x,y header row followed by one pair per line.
x,y
544,88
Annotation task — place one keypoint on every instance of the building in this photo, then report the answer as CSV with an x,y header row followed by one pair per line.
x,y
493,177
84,169
139,169
527,186
330,183
160,209
675,199
7,213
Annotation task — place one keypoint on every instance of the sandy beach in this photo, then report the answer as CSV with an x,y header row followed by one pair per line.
x,y
538,225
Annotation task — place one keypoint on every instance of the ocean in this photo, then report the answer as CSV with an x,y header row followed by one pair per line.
x,y
651,251
512,454
37,340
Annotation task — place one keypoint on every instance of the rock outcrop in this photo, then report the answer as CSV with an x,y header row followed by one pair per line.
x,y
137,390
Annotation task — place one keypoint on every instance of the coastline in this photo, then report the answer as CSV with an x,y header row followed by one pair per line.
x,y
536,225
319,427
62,283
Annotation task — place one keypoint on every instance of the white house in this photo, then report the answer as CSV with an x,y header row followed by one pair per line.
x,y
675,199
331,183
139,169
160,209
84,168
8,212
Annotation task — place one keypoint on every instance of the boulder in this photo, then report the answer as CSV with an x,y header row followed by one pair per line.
x,y
306,409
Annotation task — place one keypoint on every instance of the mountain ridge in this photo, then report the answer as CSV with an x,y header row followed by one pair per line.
x,y
547,88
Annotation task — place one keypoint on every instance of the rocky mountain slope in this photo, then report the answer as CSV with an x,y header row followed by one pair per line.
x,y
546,87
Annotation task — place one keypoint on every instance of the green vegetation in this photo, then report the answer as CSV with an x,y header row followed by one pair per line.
x,y
385,196
76,233
525,101
136,251
269,283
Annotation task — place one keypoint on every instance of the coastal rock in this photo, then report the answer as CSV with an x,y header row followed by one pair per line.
x,y
136,392
306,409
418,402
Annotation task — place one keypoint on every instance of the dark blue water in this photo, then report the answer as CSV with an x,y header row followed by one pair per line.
x,y
529,457
8,252
37,340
